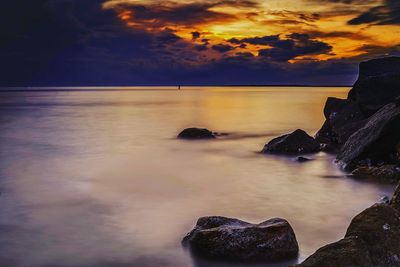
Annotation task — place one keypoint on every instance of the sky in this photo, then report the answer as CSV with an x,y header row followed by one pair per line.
x,y
193,42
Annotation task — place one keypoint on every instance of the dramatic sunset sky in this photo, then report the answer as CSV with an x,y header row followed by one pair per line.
x,y
149,42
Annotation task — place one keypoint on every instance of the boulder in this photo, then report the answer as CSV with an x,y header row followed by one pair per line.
x,y
378,84
298,142
372,239
385,173
229,239
343,118
375,142
350,251
395,201
379,227
196,133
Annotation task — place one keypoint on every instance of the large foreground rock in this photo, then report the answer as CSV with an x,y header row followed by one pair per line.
x,y
372,239
378,83
196,133
298,142
231,239
346,252
375,142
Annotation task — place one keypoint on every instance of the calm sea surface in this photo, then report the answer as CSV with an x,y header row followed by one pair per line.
x,y
97,178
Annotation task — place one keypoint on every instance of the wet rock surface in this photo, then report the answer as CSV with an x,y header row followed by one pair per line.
x,y
375,141
350,251
385,173
372,239
196,133
229,239
298,142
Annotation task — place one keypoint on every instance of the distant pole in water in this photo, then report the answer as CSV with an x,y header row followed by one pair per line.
x,y
179,87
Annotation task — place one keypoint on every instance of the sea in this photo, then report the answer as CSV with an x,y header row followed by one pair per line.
x,y
95,176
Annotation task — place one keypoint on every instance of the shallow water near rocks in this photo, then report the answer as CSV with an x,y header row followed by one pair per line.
x,y
97,178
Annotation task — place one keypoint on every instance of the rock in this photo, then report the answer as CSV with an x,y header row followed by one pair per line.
x,y
395,201
302,159
298,142
376,141
386,173
350,251
378,84
231,239
196,133
372,239
343,118
379,228
329,148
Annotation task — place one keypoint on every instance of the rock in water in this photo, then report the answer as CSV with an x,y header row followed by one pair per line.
x,y
298,142
395,202
379,228
385,173
231,239
344,253
372,239
377,140
196,133
343,118
378,83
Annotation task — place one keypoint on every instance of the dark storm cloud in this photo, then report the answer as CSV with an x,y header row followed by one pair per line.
x,y
222,48
195,35
387,13
294,45
297,45
168,13
265,40
76,42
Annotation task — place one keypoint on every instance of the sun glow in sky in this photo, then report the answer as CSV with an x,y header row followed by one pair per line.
x,y
303,29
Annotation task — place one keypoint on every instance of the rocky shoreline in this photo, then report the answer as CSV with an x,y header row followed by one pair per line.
x,y
364,130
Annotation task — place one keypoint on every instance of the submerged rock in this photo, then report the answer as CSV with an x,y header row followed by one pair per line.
x,y
298,142
378,84
302,159
372,239
196,133
389,173
374,142
231,239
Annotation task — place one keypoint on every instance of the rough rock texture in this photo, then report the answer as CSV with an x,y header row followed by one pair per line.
x,y
379,227
298,142
386,173
343,118
372,239
375,141
395,201
378,83
232,239
196,133
347,252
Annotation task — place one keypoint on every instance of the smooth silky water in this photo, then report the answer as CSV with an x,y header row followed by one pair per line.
x,y
97,178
